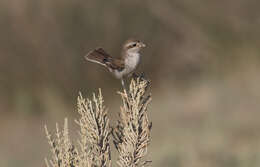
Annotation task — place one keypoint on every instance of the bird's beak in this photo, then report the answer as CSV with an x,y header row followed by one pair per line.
x,y
141,45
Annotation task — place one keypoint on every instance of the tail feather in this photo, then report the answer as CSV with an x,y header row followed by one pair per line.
x,y
99,56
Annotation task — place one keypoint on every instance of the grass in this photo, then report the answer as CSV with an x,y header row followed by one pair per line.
x,y
131,136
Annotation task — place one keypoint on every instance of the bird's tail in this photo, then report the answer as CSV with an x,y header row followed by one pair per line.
x,y
99,56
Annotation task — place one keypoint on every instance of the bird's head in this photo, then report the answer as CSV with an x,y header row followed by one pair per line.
x,y
133,46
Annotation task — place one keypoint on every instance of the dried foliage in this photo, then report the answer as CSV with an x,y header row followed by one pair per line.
x,y
131,135
64,154
94,148
94,125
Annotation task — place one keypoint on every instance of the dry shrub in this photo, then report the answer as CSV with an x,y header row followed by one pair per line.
x,y
131,134
63,152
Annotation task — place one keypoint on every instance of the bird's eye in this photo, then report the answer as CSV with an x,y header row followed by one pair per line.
x,y
134,45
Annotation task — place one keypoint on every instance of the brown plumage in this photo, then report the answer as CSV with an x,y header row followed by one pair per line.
x,y
101,57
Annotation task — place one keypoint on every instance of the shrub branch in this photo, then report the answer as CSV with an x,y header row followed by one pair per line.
x,y
132,133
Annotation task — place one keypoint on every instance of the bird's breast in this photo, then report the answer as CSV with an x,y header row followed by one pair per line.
x,y
131,61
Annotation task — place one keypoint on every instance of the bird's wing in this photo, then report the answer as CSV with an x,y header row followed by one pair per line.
x,y
118,64
100,56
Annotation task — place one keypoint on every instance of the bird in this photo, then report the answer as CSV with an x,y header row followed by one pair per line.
x,y
119,67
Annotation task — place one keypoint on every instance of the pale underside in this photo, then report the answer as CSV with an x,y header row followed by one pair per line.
x,y
131,62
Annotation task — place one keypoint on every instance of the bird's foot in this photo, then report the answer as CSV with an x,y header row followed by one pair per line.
x,y
141,76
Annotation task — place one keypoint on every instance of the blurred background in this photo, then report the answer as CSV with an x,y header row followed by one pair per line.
x,y
202,58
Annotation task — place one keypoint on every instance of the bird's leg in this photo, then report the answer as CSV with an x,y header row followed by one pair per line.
x,y
124,88
123,83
